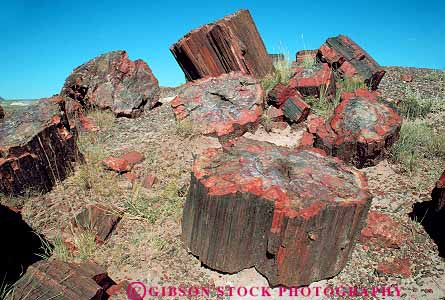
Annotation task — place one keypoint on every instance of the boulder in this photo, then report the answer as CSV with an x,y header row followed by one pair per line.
x,y
351,61
382,231
225,106
360,131
114,82
37,147
229,44
260,205
438,194
295,109
63,281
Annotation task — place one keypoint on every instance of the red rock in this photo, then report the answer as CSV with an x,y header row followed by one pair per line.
x,y
360,131
229,44
315,81
112,81
225,107
100,219
279,94
148,181
295,109
406,78
305,55
351,61
63,281
117,164
87,124
273,208
274,114
382,231
125,290
37,148
438,193
131,177
133,157
398,267
279,125
307,140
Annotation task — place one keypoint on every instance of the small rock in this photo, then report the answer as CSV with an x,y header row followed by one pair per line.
x,y
116,164
131,177
275,114
295,109
382,231
148,181
401,267
133,157
406,78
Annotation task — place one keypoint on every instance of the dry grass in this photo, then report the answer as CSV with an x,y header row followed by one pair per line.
x,y
85,242
184,129
282,74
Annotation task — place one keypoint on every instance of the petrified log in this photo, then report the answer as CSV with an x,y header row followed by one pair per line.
x,y
225,106
2,113
279,94
360,131
351,61
112,81
63,281
438,194
295,109
293,214
305,56
37,147
229,44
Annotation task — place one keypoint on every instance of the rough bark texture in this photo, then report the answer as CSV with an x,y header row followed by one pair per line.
x,y
225,106
360,131
294,215
438,194
112,81
230,44
351,61
63,281
37,148
314,81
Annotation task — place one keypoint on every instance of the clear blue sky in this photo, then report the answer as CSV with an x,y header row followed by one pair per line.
x,y
42,41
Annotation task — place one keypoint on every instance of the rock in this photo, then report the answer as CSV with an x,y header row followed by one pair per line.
x,y
225,106
295,109
63,281
116,164
86,124
438,194
382,231
279,94
398,267
2,113
406,78
360,131
313,81
114,82
131,177
273,208
351,61
274,114
100,219
148,181
229,44
127,290
37,148
305,56
133,158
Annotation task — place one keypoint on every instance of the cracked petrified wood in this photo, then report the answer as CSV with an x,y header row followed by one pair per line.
x,y
295,215
360,131
438,193
351,61
229,44
225,106
112,81
63,281
37,147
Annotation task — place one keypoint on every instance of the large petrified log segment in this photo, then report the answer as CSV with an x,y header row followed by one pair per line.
x,y
63,281
225,106
294,215
351,61
37,147
112,81
360,131
230,44
438,194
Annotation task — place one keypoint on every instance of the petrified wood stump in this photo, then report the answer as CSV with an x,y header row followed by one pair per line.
x,y
112,81
37,147
225,106
229,44
294,215
360,131
438,194
351,61
63,281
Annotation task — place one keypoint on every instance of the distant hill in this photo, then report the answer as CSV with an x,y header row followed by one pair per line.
x,y
2,99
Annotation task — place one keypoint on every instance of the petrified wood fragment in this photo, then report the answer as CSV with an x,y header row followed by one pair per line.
x,y
360,131
229,44
63,281
37,147
295,109
112,81
2,113
293,214
351,61
225,106
438,194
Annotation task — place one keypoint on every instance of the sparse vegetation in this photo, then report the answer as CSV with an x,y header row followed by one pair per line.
x,y
413,106
184,128
60,250
266,121
85,242
282,74
103,118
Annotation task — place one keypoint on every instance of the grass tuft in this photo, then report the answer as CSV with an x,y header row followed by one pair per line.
x,y
413,106
85,242
282,74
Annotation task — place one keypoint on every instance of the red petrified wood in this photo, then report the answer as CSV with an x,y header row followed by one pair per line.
x,y
290,102
360,131
230,44
382,231
225,106
438,193
293,214
112,81
37,147
351,61
63,281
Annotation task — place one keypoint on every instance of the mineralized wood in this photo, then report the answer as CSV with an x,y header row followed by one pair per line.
x,y
295,109
438,194
351,61
295,215
114,82
225,106
360,131
63,281
229,44
37,147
